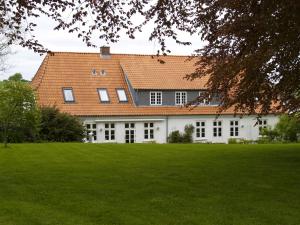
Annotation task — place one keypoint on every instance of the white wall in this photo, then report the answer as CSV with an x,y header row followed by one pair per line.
x,y
247,128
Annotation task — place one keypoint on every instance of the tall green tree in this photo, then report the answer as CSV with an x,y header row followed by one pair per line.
x,y
17,77
18,109
253,47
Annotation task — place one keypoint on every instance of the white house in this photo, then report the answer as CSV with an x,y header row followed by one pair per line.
x,y
128,98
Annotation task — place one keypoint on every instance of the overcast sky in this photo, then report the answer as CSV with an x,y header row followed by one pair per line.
x,y
27,62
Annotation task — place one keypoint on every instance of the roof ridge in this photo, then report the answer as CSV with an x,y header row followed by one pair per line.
x,y
119,54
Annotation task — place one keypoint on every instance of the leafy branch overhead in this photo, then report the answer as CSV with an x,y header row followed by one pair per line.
x,y
253,47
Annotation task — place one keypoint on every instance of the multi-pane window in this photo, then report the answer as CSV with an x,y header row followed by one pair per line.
x,y
68,95
180,98
91,130
109,132
200,129
262,124
122,95
129,132
103,95
155,98
204,99
234,128
217,128
148,131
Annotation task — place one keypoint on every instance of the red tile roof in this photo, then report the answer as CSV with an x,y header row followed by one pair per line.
x,y
62,69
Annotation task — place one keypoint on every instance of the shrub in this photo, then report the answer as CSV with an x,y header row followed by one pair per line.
x,y
286,130
186,137
232,141
58,126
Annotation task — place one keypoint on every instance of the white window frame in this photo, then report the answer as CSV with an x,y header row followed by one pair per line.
x,y
99,90
111,130
65,91
200,129
155,94
218,127
92,129
234,130
131,129
262,123
122,95
147,131
181,96
205,100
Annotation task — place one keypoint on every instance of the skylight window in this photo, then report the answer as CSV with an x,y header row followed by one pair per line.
x,y
103,95
68,95
122,95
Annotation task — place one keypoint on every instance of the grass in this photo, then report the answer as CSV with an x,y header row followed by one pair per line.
x,y
88,184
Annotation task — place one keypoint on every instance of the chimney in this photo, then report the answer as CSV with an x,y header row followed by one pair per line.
x,y
105,52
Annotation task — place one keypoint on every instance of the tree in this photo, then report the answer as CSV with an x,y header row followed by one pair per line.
x,y
58,126
18,109
4,50
253,47
17,77
288,128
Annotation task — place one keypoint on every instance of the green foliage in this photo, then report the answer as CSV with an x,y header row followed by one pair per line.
x,y
19,115
58,126
17,77
286,130
186,137
232,141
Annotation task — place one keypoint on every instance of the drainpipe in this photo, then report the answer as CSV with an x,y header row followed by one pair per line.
x,y
167,128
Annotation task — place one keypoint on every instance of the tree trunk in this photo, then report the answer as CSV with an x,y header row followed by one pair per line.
x,y
5,137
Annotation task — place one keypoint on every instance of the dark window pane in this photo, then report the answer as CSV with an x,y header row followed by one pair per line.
x,y
145,124
126,125
197,124
88,126
94,126
132,125
203,124
112,125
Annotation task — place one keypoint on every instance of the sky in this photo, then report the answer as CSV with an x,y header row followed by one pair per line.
x,y
26,62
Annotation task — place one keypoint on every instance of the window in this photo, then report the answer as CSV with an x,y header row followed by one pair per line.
x,y
262,124
148,131
68,95
91,131
109,132
129,132
122,95
217,128
103,95
103,72
200,129
180,98
155,98
204,99
234,128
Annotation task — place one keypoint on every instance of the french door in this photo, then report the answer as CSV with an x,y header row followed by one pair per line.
x,y
129,132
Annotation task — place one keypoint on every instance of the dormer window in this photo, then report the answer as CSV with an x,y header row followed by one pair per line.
x,y
180,98
122,95
103,95
68,95
155,98
204,98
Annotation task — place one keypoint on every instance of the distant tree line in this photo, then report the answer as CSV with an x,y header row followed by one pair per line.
x,y
22,120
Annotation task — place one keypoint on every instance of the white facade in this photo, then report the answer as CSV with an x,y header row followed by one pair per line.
x,y
132,128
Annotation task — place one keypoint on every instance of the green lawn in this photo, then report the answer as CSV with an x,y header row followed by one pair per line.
x,y
85,184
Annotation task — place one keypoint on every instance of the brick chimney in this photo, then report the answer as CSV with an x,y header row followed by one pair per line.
x,y
105,52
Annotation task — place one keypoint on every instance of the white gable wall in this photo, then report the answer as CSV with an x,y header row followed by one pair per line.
x,y
164,125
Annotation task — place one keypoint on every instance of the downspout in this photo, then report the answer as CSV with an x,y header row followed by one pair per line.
x,y
167,128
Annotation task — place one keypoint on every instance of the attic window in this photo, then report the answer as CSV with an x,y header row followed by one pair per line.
x,y
103,95
122,95
94,72
103,72
68,95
